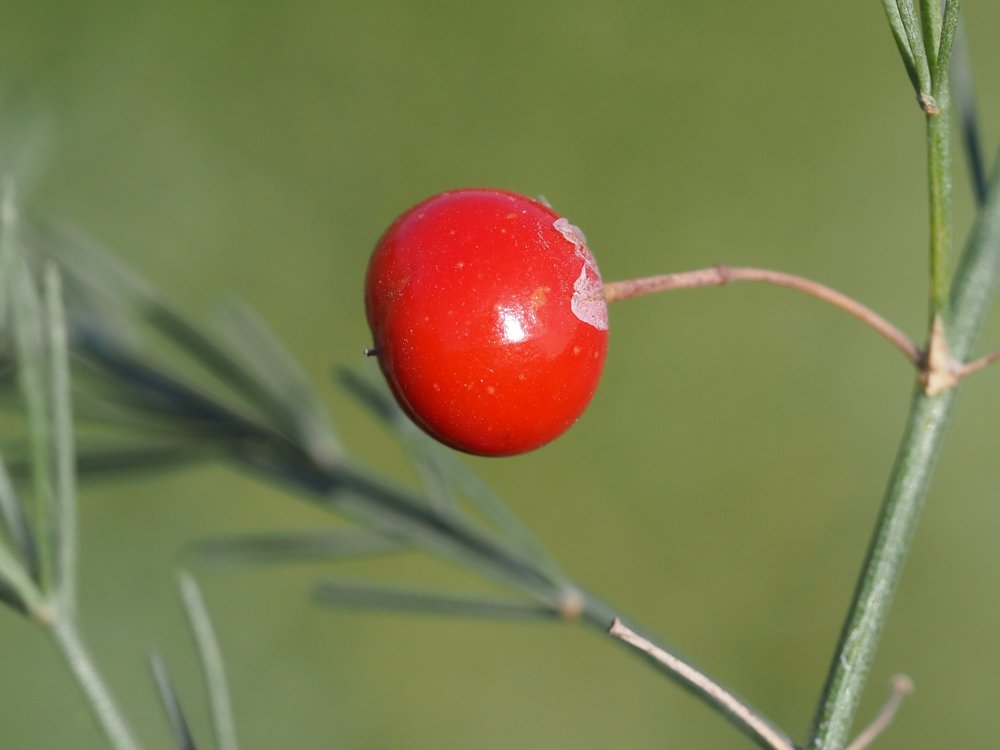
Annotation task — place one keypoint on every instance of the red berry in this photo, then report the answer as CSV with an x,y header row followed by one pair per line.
x,y
489,319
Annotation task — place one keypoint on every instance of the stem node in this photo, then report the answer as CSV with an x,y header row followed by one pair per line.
x,y
725,273
928,104
937,372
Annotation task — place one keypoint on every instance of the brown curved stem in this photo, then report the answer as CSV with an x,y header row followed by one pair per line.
x,y
901,687
758,725
976,365
719,275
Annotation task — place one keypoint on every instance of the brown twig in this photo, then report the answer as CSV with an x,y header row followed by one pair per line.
x,y
901,687
733,705
976,365
719,275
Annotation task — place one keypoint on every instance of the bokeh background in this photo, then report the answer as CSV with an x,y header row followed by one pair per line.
x,y
723,484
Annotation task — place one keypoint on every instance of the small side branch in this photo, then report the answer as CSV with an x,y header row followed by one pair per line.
x,y
743,713
977,364
719,275
901,687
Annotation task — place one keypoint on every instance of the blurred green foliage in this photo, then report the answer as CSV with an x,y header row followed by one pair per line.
x,y
724,482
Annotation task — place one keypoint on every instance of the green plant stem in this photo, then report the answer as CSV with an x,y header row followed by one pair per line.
x,y
882,569
939,183
974,287
942,32
78,660
956,321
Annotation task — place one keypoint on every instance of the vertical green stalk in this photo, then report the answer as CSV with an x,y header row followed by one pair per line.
x,y
942,28
961,317
974,287
939,183
881,571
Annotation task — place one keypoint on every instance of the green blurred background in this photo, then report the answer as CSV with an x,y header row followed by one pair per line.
x,y
723,484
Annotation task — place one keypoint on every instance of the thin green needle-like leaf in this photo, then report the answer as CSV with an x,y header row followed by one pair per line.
x,y
358,494
930,24
428,456
363,595
30,342
16,523
126,459
264,356
8,222
146,406
105,296
117,459
64,474
431,466
156,394
101,294
448,471
949,31
914,37
289,547
211,663
963,94
942,64
214,359
19,591
902,43
978,273
179,728
11,598
102,279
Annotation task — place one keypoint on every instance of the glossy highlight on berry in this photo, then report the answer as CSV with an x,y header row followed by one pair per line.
x,y
488,319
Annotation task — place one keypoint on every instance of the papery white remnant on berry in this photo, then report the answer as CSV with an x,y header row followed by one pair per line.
x,y
587,303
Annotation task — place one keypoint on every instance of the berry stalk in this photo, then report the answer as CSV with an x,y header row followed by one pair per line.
x,y
721,274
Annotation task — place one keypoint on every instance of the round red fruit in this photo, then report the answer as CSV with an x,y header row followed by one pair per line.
x,y
489,319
